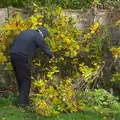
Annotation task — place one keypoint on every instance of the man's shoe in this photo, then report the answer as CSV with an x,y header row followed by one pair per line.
x,y
28,107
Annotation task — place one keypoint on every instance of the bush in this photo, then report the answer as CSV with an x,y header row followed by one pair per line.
x,y
57,98
68,4
55,80
101,100
74,4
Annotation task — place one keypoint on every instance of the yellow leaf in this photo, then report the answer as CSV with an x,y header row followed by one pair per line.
x,y
55,100
3,118
94,27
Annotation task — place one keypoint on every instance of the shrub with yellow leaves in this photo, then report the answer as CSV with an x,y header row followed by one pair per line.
x,y
116,52
56,99
54,79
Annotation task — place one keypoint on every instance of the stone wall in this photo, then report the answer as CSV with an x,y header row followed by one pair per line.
x,y
6,13
91,16
104,17
83,19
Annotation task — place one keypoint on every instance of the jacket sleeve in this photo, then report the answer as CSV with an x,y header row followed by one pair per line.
x,y
43,46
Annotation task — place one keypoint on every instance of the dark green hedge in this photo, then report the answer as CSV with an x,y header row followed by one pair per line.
x,y
74,4
66,4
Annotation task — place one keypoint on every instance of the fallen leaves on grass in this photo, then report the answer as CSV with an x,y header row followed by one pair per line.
x,y
3,118
11,106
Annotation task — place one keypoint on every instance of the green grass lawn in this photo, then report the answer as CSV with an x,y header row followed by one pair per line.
x,y
11,112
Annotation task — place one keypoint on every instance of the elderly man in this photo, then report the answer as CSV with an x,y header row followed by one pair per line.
x,y
22,51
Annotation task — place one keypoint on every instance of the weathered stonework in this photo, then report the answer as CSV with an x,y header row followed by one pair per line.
x,y
3,15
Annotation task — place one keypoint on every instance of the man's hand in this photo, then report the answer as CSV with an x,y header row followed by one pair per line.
x,y
53,56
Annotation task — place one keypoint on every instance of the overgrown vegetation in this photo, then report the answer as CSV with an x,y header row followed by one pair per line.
x,y
8,111
78,65
66,4
75,4
101,100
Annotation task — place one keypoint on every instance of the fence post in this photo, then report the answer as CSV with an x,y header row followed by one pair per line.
x,y
9,9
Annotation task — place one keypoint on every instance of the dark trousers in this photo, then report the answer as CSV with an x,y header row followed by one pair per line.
x,y
21,69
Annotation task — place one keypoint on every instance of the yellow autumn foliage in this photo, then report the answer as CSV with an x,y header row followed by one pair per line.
x,y
52,94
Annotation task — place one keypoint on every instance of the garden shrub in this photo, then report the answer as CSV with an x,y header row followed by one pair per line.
x,y
55,81
74,4
69,4
101,100
54,99
115,75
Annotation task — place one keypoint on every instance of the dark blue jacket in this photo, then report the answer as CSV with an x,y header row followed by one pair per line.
x,y
27,42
